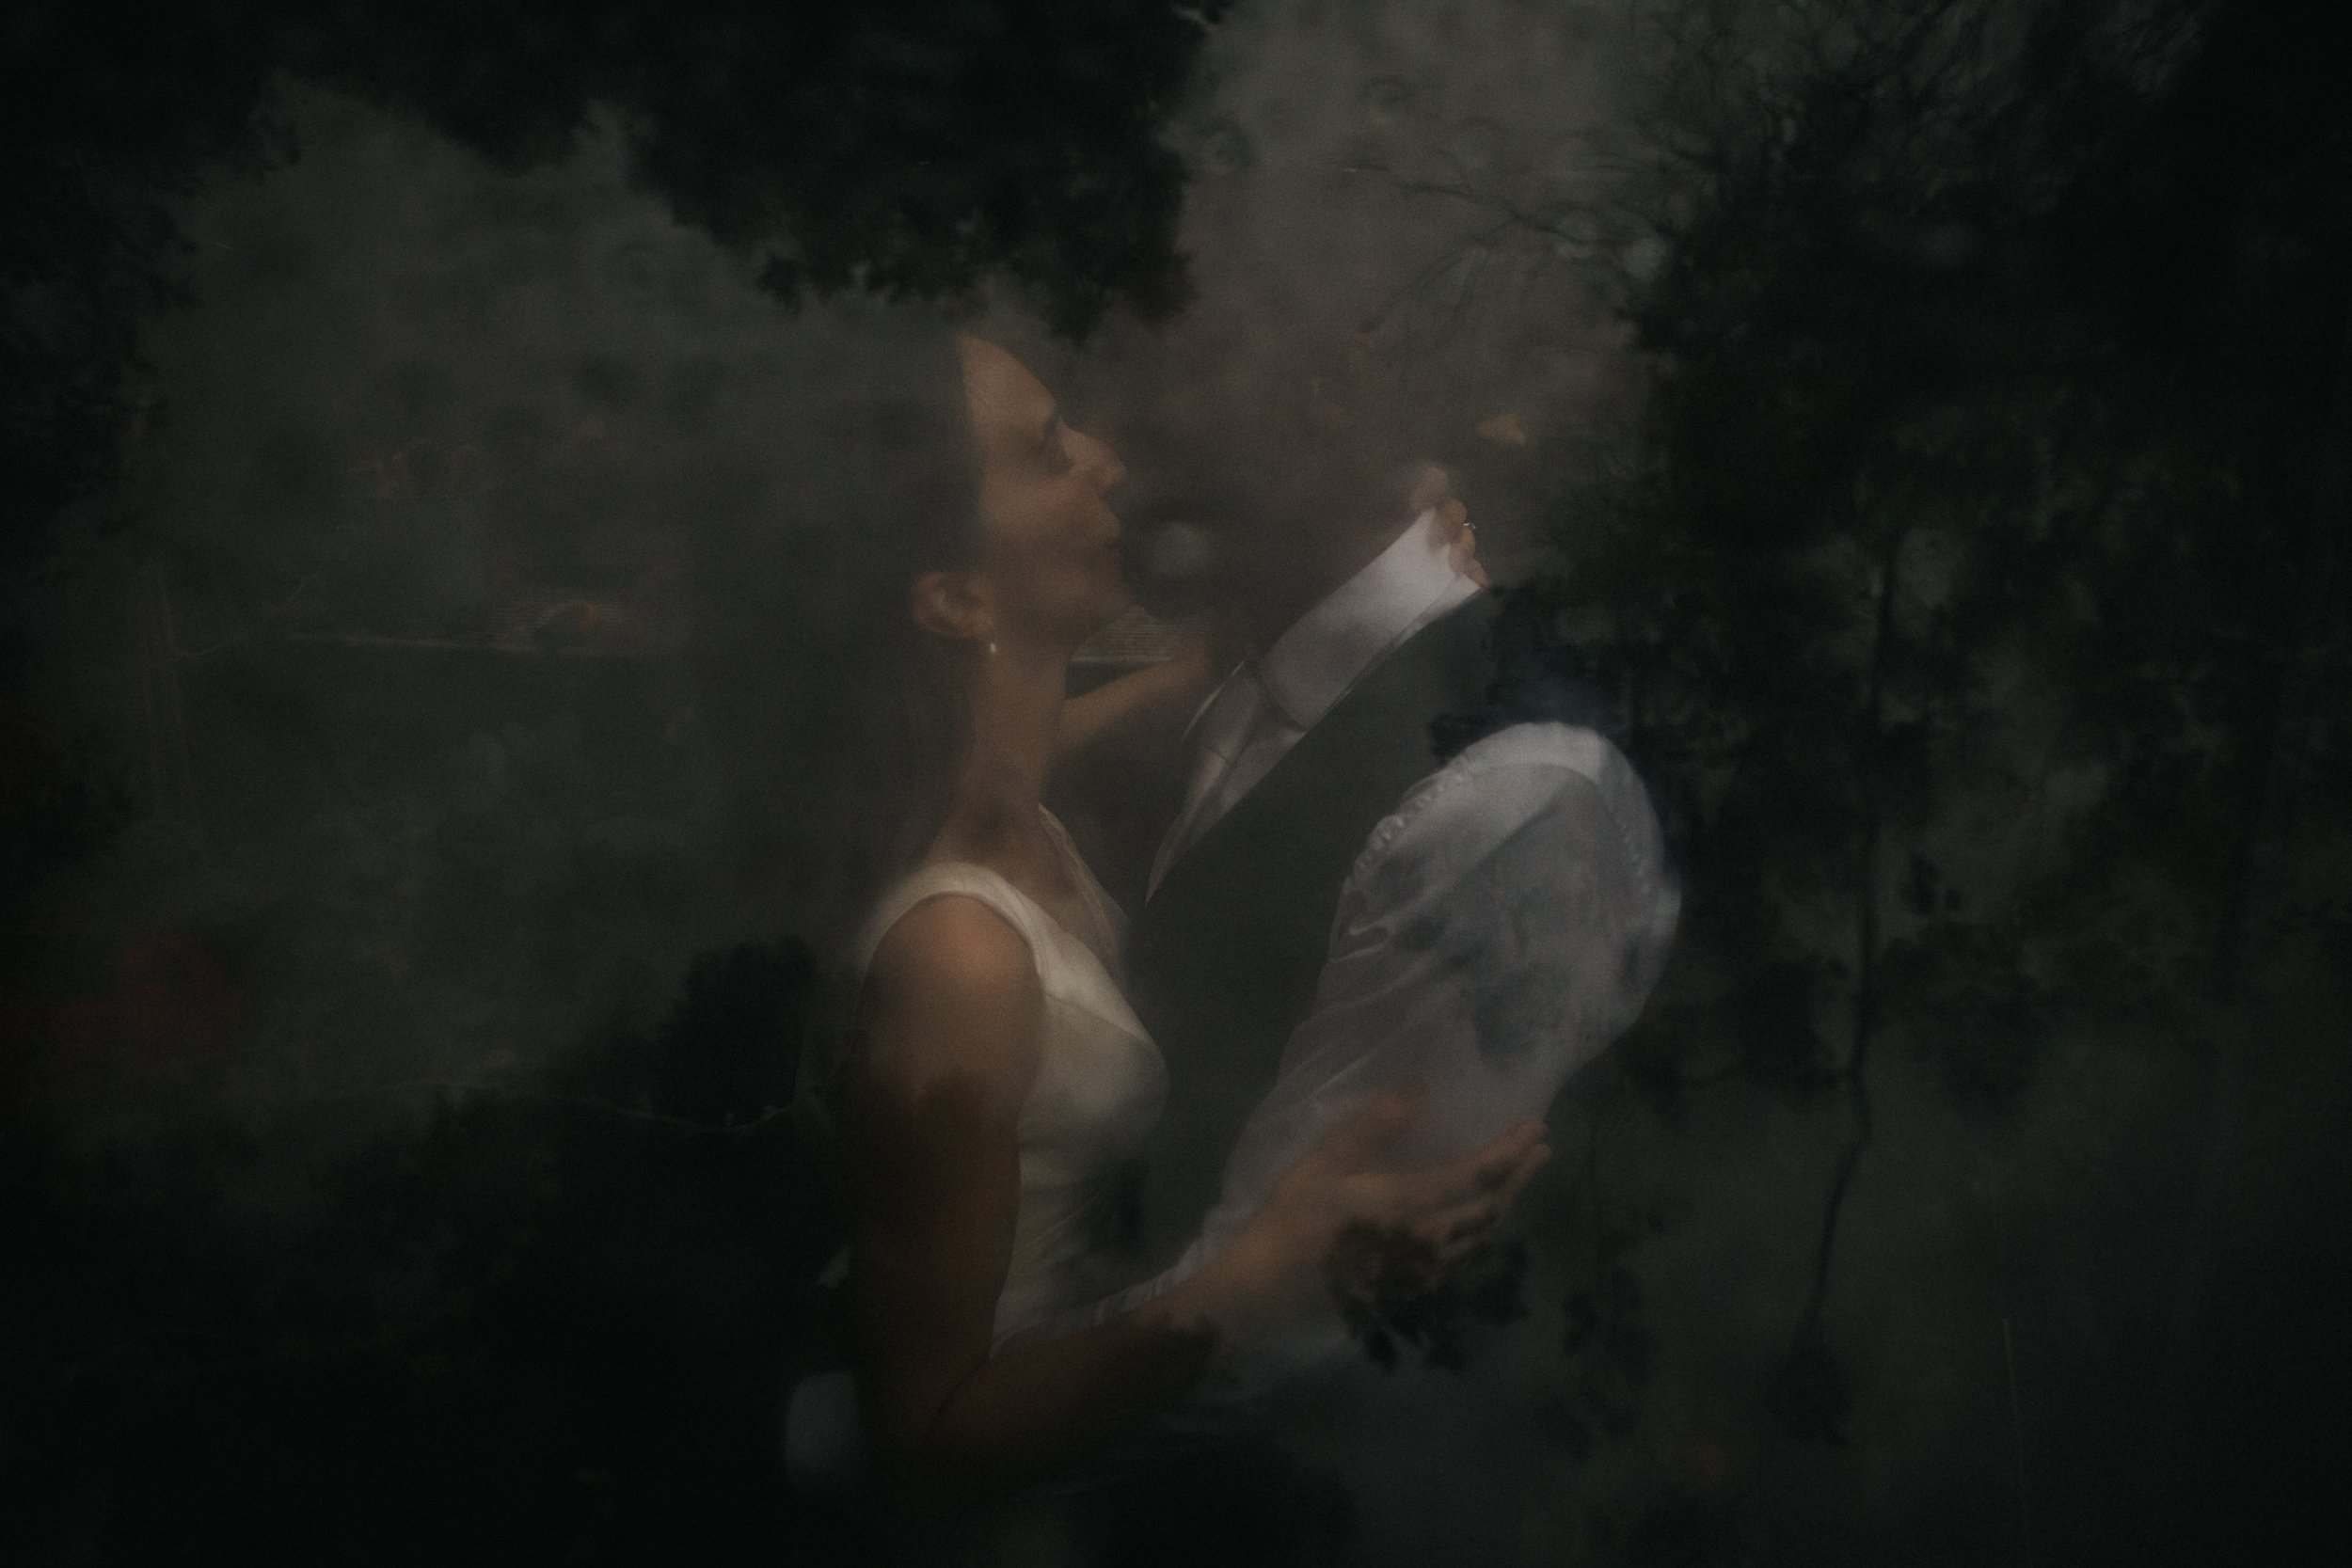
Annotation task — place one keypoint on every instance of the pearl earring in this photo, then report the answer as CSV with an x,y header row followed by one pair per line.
x,y
992,648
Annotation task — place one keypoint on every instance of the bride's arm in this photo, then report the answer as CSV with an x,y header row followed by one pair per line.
x,y
1131,716
951,1018
952,1015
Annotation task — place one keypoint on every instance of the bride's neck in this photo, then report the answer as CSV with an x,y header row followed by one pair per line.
x,y
1016,708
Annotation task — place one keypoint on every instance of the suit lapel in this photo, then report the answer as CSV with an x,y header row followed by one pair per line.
x,y
1392,683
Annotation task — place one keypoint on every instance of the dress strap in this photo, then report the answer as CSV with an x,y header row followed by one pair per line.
x,y
1108,937
973,882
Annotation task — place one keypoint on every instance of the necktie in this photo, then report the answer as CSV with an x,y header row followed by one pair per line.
x,y
1219,740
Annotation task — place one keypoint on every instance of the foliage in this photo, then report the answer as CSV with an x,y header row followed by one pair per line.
x,y
1969,586
1435,1325
555,1324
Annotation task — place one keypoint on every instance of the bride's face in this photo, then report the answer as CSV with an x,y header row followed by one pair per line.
x,y
1049,541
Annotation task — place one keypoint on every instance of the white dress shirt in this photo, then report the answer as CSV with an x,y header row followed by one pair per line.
x,y
1269,702
1496,932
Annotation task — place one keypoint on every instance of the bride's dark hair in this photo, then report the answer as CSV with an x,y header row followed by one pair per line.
x,y
837,729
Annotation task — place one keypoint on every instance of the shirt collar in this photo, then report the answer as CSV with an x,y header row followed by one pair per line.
x,y
1312,664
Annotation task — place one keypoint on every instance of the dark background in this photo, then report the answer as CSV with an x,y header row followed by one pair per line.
x,y
1926,421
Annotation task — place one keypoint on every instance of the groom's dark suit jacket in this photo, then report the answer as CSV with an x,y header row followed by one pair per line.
x,y
1222,961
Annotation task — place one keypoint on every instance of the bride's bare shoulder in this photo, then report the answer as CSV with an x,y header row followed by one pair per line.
x,y
953,992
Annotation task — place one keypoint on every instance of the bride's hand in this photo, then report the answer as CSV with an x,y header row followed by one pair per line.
x,y
1461,537
1132,721
1338,1226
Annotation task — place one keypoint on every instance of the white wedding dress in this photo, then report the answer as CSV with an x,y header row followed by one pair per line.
x,y
1098,1093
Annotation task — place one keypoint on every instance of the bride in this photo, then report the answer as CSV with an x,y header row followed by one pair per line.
x,y
999,1095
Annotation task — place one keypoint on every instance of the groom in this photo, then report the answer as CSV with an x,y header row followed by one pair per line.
x,y
1394,859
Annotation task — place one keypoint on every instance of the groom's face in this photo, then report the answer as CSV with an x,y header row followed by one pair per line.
x,y
1259,442
1204,420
